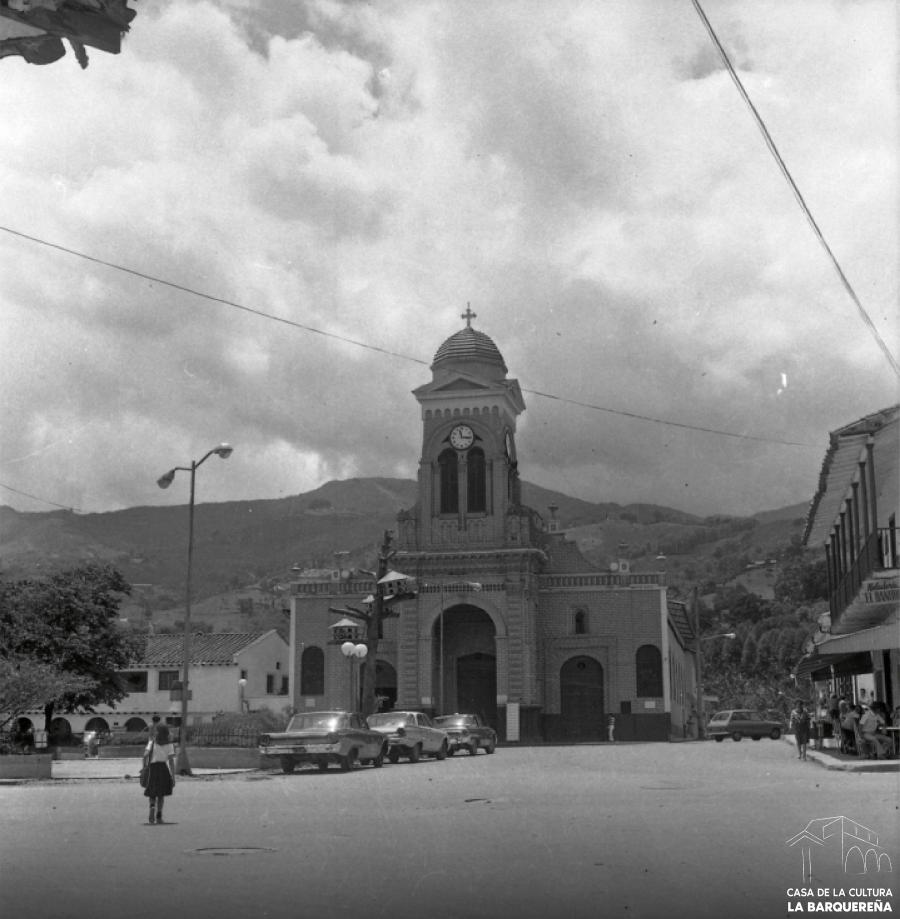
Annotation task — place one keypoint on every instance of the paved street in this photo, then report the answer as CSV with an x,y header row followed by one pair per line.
x,y
656,830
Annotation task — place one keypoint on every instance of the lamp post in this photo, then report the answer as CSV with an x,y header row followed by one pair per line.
x,y
701,706
353,652
242,685
223,451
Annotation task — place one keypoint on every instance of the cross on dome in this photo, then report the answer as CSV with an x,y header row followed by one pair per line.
x,y
468,315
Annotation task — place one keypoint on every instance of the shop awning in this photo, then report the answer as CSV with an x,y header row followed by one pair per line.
x,y
822,665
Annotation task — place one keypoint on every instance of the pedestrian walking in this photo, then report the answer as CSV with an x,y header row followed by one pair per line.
x,y
160,757
611,729
800,722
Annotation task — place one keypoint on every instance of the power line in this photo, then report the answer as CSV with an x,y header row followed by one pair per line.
x,y
25,494
360,344
790,180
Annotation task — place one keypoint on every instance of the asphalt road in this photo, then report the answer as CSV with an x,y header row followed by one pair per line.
x,y
653,830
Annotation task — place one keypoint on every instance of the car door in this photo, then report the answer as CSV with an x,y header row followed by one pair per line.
x,y
427,733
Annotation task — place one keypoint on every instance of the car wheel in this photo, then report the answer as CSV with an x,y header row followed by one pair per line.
x,y
394,755
776,733
736,736
490,747
348,761
415,754
442,753
287,764
719,738
322,764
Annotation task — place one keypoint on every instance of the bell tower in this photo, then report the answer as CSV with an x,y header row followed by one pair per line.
x,y
468,475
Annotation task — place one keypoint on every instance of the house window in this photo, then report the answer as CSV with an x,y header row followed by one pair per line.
x,y
476,481
270,684
243,674
285,686
448,471
648,667
168,679
312,672
580,622
134,680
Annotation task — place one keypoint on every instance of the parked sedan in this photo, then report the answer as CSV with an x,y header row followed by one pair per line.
x,y
410,734
322,738
467,732
739,723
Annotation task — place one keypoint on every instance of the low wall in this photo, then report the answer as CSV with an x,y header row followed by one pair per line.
x,y
226,758
33,766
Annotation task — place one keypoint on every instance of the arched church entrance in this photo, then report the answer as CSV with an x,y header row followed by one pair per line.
x,y
465,662
581,698
385,686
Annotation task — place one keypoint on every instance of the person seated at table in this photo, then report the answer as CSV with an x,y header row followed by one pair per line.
x,y
870,725
848,729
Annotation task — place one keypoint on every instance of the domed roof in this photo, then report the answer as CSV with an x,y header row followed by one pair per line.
x,y
467,345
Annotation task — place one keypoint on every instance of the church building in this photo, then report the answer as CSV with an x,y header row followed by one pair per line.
x,y
509,620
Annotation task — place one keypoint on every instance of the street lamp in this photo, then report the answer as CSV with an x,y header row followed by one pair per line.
x,y
353,652
701,706
223,451
242,685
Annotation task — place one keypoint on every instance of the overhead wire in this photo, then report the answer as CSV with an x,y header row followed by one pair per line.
x,y
370,347
770,143
65,507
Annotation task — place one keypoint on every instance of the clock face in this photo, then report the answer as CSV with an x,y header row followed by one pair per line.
x,y
462,437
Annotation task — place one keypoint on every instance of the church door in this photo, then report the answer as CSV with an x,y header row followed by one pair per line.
x,y
476,685
581,699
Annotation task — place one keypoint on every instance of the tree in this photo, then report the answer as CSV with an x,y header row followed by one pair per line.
x,y
26,684
382,608
69,622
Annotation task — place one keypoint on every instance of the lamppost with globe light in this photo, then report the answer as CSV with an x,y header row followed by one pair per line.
x,y
242,686
223,451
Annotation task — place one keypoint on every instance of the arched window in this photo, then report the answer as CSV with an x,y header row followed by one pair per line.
x,y
648,666
476,481
580,622
312,672
448,466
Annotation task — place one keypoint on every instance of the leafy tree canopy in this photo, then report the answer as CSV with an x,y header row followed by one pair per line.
x,y
69,621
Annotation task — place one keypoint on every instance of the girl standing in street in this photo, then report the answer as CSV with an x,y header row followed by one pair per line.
x,y
160,756
800,724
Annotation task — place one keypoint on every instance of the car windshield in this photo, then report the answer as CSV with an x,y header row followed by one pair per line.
x,y
721,716
389,720
455,721
322,721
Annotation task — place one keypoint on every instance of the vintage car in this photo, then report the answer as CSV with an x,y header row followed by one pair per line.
x,y
467,732
410,734
322,738
739,723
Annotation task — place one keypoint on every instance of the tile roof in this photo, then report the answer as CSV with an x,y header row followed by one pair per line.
x,y
206,648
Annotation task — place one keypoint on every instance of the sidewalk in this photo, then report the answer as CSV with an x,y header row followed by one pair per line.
x,y
122,768
832,758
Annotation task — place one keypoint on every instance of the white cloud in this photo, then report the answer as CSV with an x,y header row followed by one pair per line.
x,y
585,174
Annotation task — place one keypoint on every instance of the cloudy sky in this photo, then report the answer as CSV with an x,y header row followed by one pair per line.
x,y
584,173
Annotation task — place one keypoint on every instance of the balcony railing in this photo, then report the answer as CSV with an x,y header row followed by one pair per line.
x,y
878,553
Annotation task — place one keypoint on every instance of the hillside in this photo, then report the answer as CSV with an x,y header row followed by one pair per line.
x,y
244,549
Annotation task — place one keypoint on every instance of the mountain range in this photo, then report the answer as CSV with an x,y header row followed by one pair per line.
x,y
243,544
